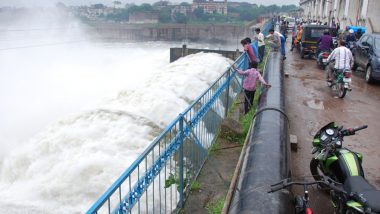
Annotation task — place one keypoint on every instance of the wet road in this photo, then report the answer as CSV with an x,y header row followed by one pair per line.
x,y
310,104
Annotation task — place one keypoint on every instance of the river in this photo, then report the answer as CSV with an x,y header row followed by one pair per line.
x,y
75,113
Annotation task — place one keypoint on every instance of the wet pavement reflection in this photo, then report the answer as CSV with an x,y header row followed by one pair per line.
x,y
310,104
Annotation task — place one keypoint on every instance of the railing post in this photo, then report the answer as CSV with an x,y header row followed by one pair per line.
x,y
227,92
181,161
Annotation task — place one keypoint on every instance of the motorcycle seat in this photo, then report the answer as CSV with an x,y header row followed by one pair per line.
x,y
359,185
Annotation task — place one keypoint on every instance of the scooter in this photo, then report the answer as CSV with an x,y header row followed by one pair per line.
x,y
322,59
344,166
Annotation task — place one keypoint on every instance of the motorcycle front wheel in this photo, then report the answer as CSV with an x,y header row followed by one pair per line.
x,y
314,169
317,174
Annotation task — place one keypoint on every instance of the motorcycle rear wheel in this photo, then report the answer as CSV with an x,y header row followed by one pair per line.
x,y
341,90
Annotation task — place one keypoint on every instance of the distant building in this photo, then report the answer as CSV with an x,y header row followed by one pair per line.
x,y
185,10
211,6
345,12
161,4
144,17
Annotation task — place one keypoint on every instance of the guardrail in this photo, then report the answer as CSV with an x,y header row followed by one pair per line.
x,y
161,177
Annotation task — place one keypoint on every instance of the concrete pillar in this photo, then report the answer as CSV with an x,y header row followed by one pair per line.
x,y
364,9
320,11
336,8
315,9
184,50
346,8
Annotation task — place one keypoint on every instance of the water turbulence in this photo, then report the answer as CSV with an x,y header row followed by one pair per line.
x,y
67,165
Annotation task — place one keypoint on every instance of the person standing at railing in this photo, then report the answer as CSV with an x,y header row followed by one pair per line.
x,y
249,85
261,42
251,55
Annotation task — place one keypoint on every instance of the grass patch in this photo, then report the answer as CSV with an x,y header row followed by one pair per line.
x,y
195,186
215,207
214,148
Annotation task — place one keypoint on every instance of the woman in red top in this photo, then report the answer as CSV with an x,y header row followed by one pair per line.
x,y
252,57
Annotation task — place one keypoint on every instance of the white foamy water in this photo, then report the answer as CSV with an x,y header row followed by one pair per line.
x,y
73,117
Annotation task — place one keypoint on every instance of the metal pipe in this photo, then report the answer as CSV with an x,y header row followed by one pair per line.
x,y
266,158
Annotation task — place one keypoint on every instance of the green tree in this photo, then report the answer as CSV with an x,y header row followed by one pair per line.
x,y
165,15
180,18
200,14
185,4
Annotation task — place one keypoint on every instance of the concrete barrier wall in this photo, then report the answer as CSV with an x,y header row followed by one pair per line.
x,y
176,53
267,155
169,32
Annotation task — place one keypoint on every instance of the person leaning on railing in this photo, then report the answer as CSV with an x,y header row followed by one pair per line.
x,y
249,85
251,55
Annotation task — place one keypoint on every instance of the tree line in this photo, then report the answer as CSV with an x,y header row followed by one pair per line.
x,y
237,12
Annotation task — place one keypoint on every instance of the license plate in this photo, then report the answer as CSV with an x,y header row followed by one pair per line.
x,y
324,60
346,79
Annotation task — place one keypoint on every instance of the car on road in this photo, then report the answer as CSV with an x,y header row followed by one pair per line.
x,y
367,56
291,22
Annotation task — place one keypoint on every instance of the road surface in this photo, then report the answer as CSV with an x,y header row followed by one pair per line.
x,y
310,104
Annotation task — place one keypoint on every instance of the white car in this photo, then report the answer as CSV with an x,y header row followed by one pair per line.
x,y
291,22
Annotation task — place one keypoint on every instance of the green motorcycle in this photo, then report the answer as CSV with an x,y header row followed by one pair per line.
x,y
344,166
341,82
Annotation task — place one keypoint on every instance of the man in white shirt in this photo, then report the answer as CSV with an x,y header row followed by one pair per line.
x,y
343,59
277,40
261,43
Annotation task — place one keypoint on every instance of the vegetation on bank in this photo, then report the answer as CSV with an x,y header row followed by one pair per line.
x,y
238,12
215,207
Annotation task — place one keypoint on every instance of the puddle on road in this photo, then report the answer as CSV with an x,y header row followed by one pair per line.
x,y
299,66
314,104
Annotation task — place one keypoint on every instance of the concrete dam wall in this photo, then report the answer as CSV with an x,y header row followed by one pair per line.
x,y
169,32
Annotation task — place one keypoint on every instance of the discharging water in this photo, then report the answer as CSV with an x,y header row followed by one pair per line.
x,y
74,116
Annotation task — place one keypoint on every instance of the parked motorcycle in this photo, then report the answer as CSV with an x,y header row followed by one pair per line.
x,y
342,165
322,59
341,81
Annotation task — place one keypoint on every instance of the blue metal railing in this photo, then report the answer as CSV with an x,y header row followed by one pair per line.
x,y
267,26
161,177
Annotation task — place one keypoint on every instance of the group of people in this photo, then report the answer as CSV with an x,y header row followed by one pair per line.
x,y
256,52
341,55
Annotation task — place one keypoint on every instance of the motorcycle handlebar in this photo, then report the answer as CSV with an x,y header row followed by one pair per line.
x,y
360,128
351,131
284,183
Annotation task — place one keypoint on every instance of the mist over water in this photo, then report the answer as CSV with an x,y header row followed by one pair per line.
x,y
74,113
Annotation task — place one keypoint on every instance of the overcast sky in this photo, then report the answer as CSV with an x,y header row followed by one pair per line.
x,y
31,3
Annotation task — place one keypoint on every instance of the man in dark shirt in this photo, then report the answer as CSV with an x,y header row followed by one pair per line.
x,y
325,42
359,34
350,37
